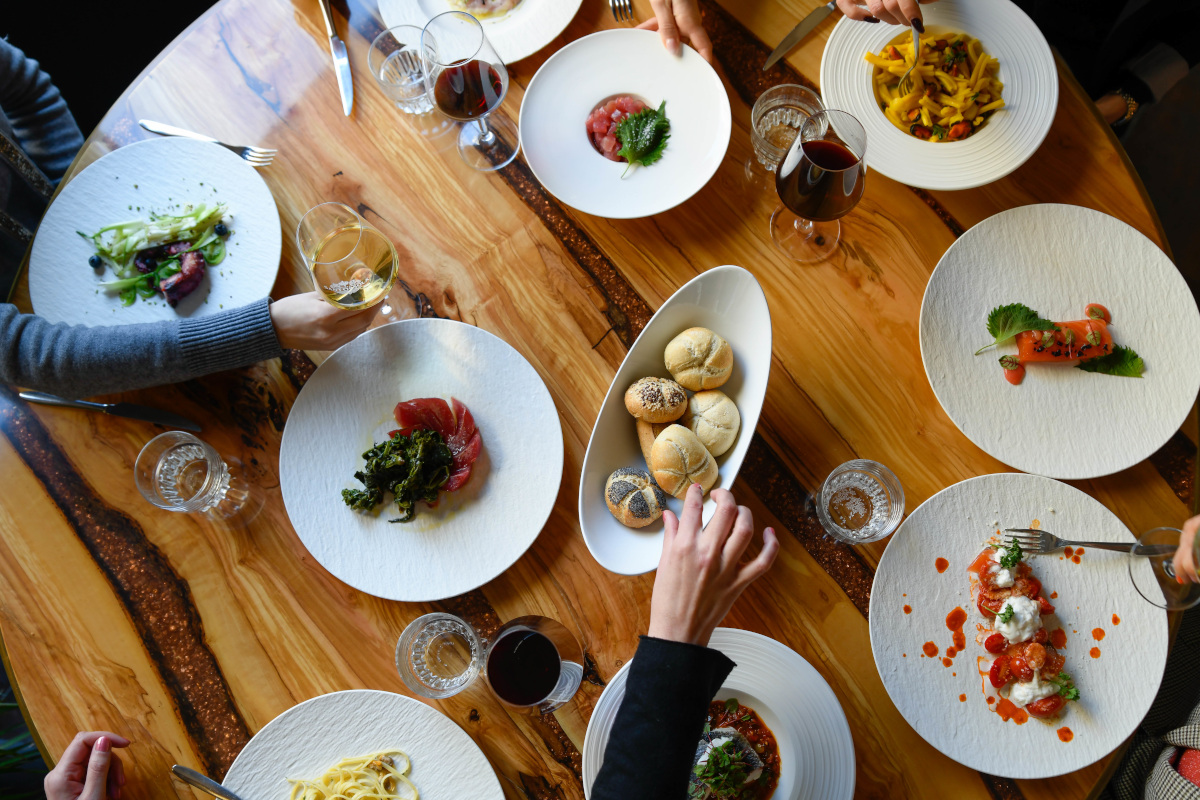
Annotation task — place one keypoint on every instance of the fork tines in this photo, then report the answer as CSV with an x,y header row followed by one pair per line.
x,y
622,9
1029,539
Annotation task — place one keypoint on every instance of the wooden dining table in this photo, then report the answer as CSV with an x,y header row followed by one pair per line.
x,y
188,635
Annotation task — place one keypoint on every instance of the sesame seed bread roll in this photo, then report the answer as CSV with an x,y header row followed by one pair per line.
x,y
647,432
699,359
714,418
678,460
655,400
633,497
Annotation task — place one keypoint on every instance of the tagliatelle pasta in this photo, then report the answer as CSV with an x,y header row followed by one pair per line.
x,y
378,776
955,88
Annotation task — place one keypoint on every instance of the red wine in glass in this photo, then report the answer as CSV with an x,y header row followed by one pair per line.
x,y
523,667
824,184
469,90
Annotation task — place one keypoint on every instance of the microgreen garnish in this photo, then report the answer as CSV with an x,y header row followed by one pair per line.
x,y
939,131
1066,686
1094,313
1006,322
1122,361
722,775
644,136
1094,338
1010,362
731,705
1012,555
1006,613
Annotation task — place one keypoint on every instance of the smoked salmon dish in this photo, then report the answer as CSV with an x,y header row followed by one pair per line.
x,y
1022,675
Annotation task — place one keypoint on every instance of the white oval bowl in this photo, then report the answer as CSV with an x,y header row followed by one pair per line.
x,y
589,70
727,300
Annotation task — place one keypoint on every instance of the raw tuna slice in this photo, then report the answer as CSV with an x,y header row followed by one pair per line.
x,y
456,425
426,412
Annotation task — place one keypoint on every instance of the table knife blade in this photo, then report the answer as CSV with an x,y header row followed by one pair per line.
x,y
799,32
127,410
341,63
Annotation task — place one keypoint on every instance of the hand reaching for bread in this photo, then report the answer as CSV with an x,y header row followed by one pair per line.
x,y
680,437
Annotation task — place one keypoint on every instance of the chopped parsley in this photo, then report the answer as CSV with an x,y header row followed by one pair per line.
x,y
939,131
1012,554
1006,613
1066,686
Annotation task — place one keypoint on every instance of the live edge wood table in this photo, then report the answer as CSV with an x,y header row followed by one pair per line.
x,y
188,637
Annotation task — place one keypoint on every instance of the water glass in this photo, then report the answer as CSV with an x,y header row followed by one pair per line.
x,y
861,501
438,655
395,62
178,472
775,122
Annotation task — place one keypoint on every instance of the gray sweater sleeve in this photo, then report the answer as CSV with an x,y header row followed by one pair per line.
x,y
78,361
37,112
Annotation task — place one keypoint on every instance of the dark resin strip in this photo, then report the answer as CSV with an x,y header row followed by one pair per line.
x,y
1176,462
1001,788
157,599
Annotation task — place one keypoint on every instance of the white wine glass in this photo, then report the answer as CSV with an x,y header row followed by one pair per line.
x,y
352,264
1152,570
468,81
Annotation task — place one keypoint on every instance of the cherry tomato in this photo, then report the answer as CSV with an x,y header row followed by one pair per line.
x,y
996,643
1042,636
989,606
1046,706
999,674
1044,606
1035,655
1020,668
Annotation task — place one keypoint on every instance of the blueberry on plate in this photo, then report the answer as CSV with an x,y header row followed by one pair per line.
x,y
221,229
96,261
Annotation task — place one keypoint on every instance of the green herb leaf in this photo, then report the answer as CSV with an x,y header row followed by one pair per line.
x,y
1005,614
1094,338
644,136
1122,361
412,468
1066,686
1012,555
731,705
1010,362
1005,322
1094,313
939,131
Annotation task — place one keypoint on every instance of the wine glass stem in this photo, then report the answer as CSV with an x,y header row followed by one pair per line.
x,y
486,135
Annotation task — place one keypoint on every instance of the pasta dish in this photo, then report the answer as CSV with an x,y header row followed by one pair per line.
x,y
378,776
954,86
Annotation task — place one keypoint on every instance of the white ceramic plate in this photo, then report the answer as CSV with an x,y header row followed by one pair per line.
x,y
590,70
1008,139
474,534
154,175
311,737
518,34
1061,422
727,300
816,753
1116,688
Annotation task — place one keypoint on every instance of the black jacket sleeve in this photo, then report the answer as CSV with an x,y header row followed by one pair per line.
x,y
654,737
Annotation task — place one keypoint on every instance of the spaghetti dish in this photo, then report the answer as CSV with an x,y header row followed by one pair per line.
x,y
955,89
378,776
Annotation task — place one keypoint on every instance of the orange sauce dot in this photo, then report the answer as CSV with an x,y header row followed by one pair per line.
x,y
930,649
991,699
1094,652
1078,551
1116,620
962,698
1098,634
946,662
1007,710
1036,524
1054,595
908,609
951,652
1075,559
941,564
1068,551
1064,734
954,621
904,654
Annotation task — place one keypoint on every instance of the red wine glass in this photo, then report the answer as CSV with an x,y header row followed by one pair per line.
x,y
821,179
534,664
467,82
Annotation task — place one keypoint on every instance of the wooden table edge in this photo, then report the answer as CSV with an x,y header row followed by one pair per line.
x,y
20,698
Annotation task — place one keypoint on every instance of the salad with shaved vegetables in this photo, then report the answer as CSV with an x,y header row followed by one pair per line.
x,y
165,255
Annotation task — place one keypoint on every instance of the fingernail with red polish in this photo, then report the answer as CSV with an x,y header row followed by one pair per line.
x,y
103,745
870,19
920,26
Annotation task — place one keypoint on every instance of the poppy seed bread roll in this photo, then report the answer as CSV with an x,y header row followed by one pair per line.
x,y
633,497
656,400
699,359
714,418
678,460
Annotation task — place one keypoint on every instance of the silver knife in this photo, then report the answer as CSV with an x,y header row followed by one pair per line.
x,y
799,32
202,782
128,410
341,64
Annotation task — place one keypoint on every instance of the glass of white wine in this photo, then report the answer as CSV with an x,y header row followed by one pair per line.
x,y
352,263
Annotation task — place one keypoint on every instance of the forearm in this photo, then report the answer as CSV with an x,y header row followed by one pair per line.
x,y
654,737
39,116
76,361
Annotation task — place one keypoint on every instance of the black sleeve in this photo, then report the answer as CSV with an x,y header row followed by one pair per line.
x,y
654,737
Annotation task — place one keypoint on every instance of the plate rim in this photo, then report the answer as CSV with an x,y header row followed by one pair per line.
x,y
560,450
524,52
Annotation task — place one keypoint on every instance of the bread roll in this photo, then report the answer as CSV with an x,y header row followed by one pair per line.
x,y
647,432
714,418
699,359
655,400
633,497
678,460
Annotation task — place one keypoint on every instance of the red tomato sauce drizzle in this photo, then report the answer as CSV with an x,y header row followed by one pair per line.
x,y
1065,734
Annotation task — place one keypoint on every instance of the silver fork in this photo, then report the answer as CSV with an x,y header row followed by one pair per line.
x,y
257,156
622,9
906,85
1036,542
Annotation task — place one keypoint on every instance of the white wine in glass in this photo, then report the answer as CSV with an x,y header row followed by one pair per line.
x,y
352,264
1152,570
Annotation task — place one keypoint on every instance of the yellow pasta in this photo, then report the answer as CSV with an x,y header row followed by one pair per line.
x,y
378,776
954,91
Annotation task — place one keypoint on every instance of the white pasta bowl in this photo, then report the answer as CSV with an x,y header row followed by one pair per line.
x,y
727,300
1012,134
590,70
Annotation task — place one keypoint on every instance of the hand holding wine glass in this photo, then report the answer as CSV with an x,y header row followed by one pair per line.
x,y
1184,561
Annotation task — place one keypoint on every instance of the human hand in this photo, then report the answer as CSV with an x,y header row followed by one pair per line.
x,y
893,12
1184,561
308,322
88,769
699,573
676,19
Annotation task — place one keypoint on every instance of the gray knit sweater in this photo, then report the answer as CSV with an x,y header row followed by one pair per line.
x,y
74,360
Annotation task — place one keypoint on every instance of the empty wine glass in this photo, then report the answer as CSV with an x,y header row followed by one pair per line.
x,y
468,81
1152,570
